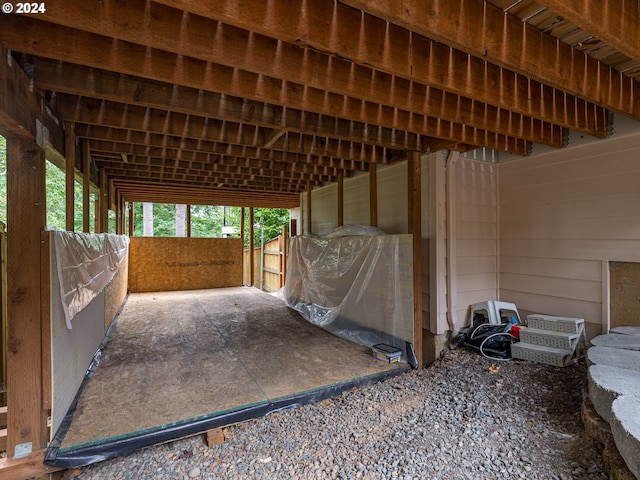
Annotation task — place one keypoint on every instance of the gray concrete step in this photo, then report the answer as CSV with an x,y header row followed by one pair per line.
x,y
614,357
617,340
625,428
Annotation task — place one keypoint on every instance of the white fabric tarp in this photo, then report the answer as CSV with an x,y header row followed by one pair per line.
x,y
86,263
356,285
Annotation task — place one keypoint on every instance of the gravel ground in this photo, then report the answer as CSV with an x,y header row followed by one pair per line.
x,y
457,419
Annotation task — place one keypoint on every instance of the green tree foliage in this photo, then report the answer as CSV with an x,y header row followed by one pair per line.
x,y
206,220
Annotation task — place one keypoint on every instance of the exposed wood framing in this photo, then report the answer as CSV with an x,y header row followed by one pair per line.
x,y
86,186
340,199
373,195
130,218
104,203
70,176
251,244
615,22
509,43
26,219
403,57
414,221
308,209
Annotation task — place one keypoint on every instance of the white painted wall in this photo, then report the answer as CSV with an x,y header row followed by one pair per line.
x,y
563,216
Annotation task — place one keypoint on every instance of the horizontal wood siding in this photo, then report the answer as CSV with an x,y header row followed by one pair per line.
x,y
475,235
561,215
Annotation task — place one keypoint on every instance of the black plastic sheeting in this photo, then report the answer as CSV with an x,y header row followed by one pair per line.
x,y
85,455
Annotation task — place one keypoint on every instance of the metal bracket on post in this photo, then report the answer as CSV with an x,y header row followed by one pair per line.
x,y
23,450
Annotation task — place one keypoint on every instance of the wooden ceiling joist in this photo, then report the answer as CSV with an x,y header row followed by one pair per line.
x,y
302,68
411,55
511,44
177,90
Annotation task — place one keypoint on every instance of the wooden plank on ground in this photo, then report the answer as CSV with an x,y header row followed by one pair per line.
x,y
216,436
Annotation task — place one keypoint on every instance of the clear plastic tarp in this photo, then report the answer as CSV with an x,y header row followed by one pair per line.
x,y
356,283
86,263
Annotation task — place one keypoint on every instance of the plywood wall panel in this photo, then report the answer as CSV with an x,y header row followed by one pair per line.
x,y
625,293
169,264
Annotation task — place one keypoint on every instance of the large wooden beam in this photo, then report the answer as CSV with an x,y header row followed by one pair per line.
x,y
615,22
171,192
27,420
19,108
238,49
504,40
418,58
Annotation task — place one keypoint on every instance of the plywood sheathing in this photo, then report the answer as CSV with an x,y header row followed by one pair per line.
x,y
175,356
171,264
624,288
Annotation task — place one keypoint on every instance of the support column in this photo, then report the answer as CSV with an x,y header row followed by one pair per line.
x,y
86,186
131,221
188,220
242,238
251,237
27,421
309,229
340,198
104,203
373,194
69,171
415,227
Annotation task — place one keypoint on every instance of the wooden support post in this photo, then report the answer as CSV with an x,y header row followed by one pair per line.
x,y
27,421
131,220
188,221
415,227
242,238
293,227
86,185
373,194
96,215
104,203
119,215
283,255
309,229
69,171
340,198
251,237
